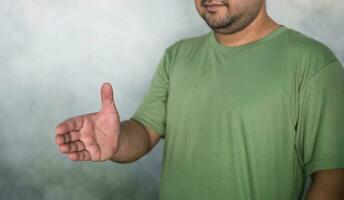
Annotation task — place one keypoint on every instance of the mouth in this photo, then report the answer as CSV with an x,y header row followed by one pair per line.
x,y
213,6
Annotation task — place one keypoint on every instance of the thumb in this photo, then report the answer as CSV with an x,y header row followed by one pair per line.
x,y
106,95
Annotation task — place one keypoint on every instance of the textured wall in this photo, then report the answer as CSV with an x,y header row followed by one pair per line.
x,y
54,55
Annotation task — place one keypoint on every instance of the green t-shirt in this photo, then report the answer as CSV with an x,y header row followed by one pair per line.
x,y
246,122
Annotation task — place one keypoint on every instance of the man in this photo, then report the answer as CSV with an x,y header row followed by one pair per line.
x,y
247,111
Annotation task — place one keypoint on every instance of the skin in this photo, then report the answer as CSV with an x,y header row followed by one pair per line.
x,y
238,31
101,136
327,185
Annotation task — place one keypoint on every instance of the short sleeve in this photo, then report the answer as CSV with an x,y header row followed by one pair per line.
x,y
320,126
152,110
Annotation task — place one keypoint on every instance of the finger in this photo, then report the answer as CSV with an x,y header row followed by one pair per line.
x,y
67,138
106,94
72,147
81,155
108,104
69,125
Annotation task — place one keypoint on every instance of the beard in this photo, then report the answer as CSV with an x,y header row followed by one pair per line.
x,y
228,22
218,22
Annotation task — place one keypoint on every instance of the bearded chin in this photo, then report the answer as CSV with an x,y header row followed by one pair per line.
x,y
219,23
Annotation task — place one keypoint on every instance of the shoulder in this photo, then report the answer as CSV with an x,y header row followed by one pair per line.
x,y
186,45
307,49
307,54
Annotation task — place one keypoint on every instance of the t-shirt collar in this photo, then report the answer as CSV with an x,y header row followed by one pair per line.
x,y
227,49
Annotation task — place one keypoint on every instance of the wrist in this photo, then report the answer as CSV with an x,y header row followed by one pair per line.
x,y
116,156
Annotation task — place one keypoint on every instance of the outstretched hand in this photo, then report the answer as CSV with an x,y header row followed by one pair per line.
x,y
93,136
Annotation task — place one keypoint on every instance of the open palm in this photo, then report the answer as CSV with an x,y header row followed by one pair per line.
x,y
92,136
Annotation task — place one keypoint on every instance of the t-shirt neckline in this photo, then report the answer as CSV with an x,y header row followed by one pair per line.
x,y
214,43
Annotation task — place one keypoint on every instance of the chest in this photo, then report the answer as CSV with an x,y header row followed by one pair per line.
x,y
244,86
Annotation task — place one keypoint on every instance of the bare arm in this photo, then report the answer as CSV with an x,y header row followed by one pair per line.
x,y
135,141
327,185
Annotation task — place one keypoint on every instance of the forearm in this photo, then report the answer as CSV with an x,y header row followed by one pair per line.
x,y
134,142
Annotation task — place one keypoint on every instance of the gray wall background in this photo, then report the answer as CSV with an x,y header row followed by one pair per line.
x,y
54,56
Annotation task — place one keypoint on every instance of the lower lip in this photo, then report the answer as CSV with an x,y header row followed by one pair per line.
x,y
213,8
